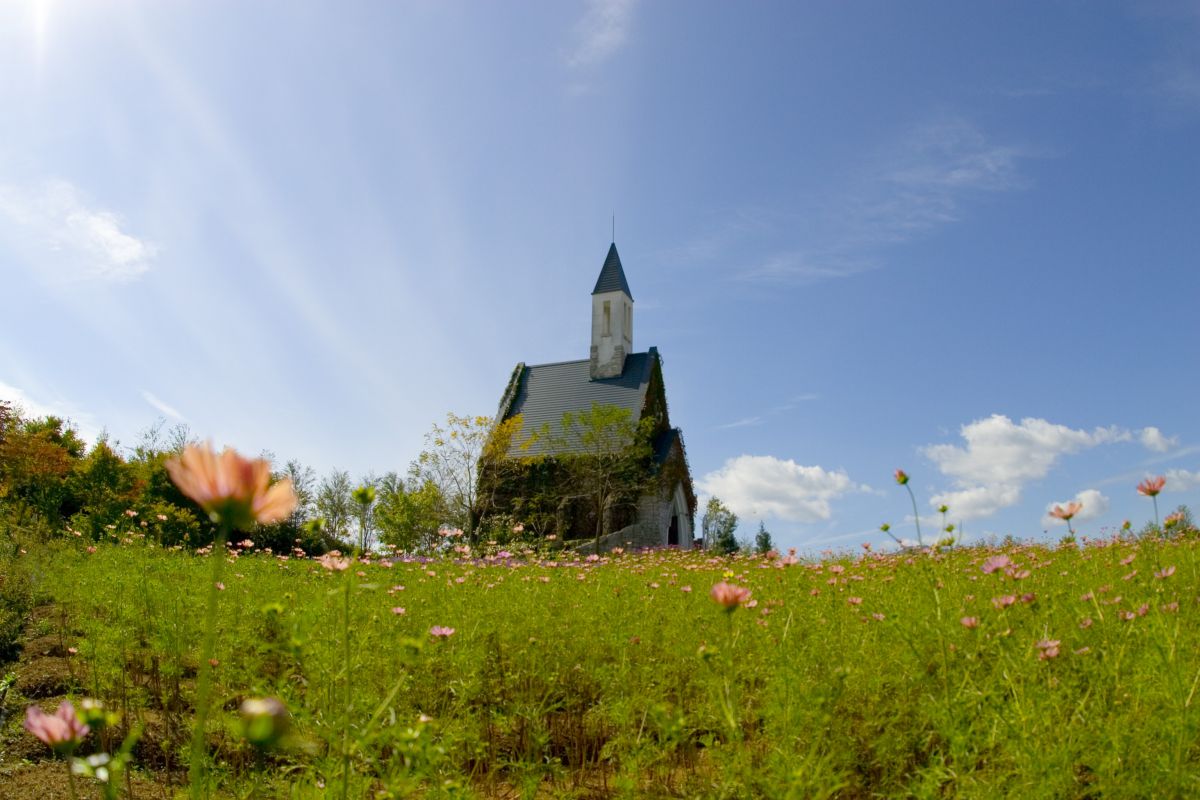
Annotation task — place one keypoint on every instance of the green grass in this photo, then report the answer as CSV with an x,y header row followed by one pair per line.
x,y
609,678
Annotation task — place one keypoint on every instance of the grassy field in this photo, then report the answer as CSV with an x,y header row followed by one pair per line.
x,y
1065,672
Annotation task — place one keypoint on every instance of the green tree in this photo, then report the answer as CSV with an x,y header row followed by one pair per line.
x,y
36,459
762,540
364,512
607,456
334,504
451,462
718,527
408,514
101,487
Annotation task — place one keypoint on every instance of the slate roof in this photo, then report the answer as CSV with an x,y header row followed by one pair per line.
x,y
547,391
612,275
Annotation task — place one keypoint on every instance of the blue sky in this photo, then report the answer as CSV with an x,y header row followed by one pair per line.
x,y
961,239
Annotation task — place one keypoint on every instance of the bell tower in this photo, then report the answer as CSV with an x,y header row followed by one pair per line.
x,y
612,319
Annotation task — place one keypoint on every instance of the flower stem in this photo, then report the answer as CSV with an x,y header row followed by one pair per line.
x,y
196,765
346,669
916,516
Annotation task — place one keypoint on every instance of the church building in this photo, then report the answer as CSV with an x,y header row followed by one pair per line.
x,y
613,374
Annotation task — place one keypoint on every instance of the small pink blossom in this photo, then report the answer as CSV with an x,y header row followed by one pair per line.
x,y
728,595
332,561
1004,601
970,622
62,730
1151,486
995,563
854,601
1066,514
398,611
441,632
1049,649
1165,572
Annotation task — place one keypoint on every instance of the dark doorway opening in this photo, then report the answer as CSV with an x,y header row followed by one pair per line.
x,y
673,532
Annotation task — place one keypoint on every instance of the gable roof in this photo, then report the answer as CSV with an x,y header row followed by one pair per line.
x,y
612,275
547,391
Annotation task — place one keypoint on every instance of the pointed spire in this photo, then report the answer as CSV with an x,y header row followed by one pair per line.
x,y
612,275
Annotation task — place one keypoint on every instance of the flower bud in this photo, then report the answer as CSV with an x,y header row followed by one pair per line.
x,y
265,721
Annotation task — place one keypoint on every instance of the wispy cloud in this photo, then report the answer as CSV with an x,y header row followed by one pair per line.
x,y
53,220
742,423
759,419
908,189
161,407
601,32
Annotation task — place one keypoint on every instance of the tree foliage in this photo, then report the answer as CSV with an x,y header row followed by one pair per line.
x,y
719,526
762,540
607,458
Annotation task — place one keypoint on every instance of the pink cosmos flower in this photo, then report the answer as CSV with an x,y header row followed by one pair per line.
x,y
995,563
1150,487
1165,572
1049,649
232,489
1066,514
728,595
854,601
333,562
970,622
398,610
1004,601
441,632
62,730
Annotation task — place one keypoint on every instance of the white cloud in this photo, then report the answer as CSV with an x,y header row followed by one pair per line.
x,y
161,407
977,502
1093,506
1153,439
602,31
765,486
1001,456
53,220
1181,480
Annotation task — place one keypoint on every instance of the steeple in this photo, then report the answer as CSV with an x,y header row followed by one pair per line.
x,y
612,275
612,319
